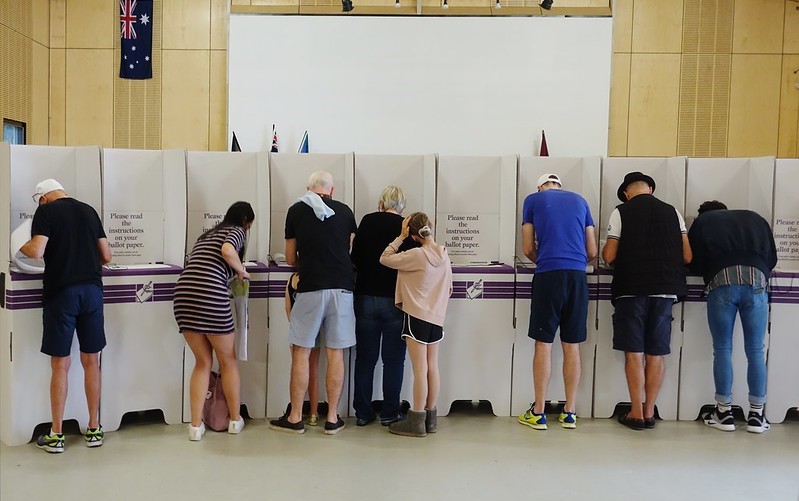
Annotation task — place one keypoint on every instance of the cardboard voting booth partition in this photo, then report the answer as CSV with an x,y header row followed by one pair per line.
x,y
215,181
610,382
475,219
582,176
741,183
144,215
288,179
24,370
416,175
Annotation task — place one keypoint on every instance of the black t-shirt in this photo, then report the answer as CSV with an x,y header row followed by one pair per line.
x,y
375,232
71,255
323,246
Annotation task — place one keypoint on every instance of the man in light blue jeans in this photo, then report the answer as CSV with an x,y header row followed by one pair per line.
x,y
734,251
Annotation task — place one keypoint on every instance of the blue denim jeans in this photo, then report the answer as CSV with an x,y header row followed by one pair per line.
x,y
378,318
723,303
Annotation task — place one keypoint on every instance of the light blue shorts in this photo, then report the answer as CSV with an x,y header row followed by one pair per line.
x,y
330,310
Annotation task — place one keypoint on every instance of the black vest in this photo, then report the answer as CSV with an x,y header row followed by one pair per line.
x,y
649,259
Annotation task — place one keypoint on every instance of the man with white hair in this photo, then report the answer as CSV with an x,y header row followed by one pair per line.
x,y
69,236
558,236
319,233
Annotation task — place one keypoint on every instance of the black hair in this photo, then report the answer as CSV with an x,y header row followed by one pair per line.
x,y
711,205
238,214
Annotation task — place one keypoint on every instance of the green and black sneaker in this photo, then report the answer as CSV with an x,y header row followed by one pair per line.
x,y
51,443
94,437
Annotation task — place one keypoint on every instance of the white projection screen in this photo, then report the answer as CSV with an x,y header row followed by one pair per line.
x,y
415,85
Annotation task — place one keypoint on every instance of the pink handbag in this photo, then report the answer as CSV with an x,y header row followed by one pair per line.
x,y
215,410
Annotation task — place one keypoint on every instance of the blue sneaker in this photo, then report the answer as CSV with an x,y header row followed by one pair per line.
x,y
568,420
533,420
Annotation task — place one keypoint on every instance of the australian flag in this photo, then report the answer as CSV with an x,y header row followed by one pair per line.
x,y
136,31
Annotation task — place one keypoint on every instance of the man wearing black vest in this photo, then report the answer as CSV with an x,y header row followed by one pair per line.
x,y
649,256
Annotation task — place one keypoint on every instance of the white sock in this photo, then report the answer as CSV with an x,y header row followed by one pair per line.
x,y
724,406
757,409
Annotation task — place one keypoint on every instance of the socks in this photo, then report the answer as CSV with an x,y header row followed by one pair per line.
x,y
724,406
757,409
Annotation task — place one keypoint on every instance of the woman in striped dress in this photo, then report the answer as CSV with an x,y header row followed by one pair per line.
x,y
203,313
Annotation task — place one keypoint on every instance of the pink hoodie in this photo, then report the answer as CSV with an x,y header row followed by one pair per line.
x,y
424,280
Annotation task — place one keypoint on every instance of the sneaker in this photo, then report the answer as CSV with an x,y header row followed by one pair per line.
x,y
568,420
283,424
196,432
723,421
334,428
757,423
389,420
94,436
364,421
51,443
533,420
313,420
235,427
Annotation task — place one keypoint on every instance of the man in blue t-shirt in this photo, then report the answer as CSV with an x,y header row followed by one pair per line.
x,y
558,236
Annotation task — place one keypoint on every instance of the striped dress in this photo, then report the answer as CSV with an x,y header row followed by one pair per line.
x,y
202,300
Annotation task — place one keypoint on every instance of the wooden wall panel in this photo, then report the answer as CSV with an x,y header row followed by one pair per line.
x,y
220,15
90,24
58,24
654,90
619,105
788,141
89,97
622,25
657,26
754,105
58,97
754,26
217,130
185,97
41,22
791,30
187,24
40,90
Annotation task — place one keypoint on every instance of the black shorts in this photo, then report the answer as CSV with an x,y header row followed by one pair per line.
x,y
559,299
642,324
421,331
74,308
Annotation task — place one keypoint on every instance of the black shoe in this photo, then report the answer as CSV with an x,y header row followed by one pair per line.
x,y
632,423
283,424
757,423
649,424
364,421
346,5
723,421
333,428
387,421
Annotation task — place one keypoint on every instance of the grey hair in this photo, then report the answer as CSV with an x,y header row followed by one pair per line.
x,y
392,198
320,179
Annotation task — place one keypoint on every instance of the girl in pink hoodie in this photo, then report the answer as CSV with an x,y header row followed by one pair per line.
x,y
424,284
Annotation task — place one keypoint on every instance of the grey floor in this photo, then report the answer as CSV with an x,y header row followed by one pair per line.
x,y
474,456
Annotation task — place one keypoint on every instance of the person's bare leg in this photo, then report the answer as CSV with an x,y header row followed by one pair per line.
x,y
225,348
335,381
571,374
418,354
654,371
634,370
313,381
92,383
299,381
433,377
542,372
198,384
59,382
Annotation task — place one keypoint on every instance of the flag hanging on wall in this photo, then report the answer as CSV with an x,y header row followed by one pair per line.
x,y
274,139
544,152
136,32
234,146
304,143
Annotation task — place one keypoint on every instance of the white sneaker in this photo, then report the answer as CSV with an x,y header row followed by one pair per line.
x,y
196,432
235,427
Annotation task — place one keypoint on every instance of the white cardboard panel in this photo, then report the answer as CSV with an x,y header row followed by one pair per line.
x,y
415,174
786,214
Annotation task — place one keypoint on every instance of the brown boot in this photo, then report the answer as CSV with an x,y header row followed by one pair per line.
x,y
411,427
431,420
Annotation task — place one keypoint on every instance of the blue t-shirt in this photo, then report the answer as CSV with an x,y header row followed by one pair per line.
x,y
560,218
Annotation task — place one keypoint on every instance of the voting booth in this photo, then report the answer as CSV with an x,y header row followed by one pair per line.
x,y
289,173
475,219
215,181
609,380
783,371
416,175
741,183
25,371
582,176
144,215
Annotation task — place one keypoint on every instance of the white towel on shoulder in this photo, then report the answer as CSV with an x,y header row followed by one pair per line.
x,y
319,207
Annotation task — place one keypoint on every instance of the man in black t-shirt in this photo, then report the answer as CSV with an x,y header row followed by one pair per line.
x,y
69,236
319,233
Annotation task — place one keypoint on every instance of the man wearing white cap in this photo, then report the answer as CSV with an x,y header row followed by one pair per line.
x,y
560,223
69,236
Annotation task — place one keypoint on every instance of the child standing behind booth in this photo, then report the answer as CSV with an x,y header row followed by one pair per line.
x,y
424,284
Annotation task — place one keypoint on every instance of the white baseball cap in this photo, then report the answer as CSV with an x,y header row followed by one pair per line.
x,y
547,178
46,187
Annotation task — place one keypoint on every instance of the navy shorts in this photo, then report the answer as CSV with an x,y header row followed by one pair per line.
x,y
642,324
559,299
74,308
420,330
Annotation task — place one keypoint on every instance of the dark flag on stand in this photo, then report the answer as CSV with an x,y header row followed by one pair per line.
x,y
544,150
304,143
136,32
274,139
234,146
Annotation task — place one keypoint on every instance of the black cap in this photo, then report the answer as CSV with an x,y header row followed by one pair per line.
x,y
630,178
